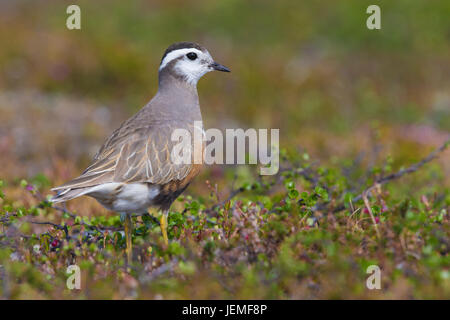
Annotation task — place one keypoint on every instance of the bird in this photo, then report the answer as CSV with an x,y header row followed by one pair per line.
x,y
133,170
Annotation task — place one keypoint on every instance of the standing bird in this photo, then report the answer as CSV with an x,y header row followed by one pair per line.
x,y
133,170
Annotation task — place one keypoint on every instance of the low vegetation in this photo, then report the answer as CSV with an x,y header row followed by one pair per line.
x,y
308,232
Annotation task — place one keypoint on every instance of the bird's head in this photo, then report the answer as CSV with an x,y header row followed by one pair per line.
x,y
188,62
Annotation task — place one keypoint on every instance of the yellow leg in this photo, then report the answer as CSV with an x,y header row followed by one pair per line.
x,y
163,225
128,234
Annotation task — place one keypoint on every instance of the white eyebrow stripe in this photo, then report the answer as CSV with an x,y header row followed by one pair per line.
x,y
176,54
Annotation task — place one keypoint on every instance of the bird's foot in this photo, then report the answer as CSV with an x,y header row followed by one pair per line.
x,y
163,224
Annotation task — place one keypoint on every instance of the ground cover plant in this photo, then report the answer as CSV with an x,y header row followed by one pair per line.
x,y
307,232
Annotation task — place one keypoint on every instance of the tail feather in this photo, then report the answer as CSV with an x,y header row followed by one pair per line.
x,y
68,194
82,181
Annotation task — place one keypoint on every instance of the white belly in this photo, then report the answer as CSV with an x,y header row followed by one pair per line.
x,y
125,198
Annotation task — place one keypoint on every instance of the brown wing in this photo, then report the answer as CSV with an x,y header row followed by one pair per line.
x,y
133,155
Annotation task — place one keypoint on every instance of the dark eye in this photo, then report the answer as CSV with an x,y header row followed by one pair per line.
x,y
192,55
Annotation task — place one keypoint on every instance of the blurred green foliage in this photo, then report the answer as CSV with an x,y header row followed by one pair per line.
x,y
293,62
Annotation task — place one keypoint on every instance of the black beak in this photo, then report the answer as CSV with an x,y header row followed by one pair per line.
x,y
219,67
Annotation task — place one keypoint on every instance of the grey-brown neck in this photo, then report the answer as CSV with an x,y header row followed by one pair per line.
x,y
169,79
176,100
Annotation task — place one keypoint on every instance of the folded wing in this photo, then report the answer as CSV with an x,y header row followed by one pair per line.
x,y
138,155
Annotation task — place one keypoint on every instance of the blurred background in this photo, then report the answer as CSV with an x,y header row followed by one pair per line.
x,y
310,68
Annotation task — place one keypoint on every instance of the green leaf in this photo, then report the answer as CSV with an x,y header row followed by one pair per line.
x,y
293,194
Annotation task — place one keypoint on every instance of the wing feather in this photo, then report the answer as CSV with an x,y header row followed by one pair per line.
x,y
138,155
